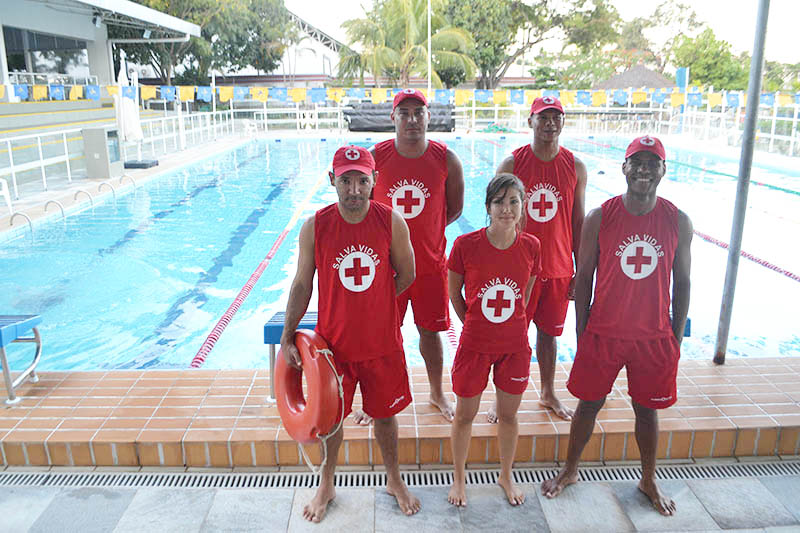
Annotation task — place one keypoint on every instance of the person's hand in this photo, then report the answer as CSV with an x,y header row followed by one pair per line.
x,y
571,289
291,354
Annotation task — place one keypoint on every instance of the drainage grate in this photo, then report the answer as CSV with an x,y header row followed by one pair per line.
x,y
430,478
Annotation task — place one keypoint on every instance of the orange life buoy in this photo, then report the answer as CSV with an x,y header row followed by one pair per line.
x,y
307,419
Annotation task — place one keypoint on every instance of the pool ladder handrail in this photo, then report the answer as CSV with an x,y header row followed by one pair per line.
x,y
23,215
133,181
28,373
60,206
91,200
113,191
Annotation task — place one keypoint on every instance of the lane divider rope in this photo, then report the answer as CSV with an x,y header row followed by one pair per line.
x,y
226,318
751,257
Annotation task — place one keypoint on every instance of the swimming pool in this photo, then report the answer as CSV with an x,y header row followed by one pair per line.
x,y
141,283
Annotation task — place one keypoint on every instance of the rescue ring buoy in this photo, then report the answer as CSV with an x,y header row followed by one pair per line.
x,y
308,418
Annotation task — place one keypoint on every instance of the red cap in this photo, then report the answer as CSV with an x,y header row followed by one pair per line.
x,y
546,102
353,158
405,94
646,144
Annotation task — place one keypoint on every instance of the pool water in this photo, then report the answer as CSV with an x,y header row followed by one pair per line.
x,y
141,283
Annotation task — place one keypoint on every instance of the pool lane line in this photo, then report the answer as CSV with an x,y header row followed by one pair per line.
x,y
703,169
722,244
227,316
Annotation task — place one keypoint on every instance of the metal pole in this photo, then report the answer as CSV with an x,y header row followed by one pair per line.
x,y
745,162
429,50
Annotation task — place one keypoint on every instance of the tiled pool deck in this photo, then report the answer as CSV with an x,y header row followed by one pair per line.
x,y
223,418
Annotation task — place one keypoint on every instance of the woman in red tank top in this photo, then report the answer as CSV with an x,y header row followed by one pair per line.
x,y
496,267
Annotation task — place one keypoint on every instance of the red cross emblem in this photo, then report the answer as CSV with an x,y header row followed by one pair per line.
x,y
352,154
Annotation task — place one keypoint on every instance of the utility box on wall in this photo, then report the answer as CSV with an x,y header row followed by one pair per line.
x,y
101,148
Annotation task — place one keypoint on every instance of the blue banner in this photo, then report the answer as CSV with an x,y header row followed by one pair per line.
x,y
732,99
241,93
356,93
92,92
129,92
659,97
444,96
797,98
517,96
57,92
483,95
682,78
279,93
620,97
551,92
768,99
168,93
318,94
585,98
694,99
204,94
21,91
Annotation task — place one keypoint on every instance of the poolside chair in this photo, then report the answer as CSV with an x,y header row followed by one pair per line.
x,y
12,327
6,194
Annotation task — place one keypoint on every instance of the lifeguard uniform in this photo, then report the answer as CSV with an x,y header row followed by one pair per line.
x,y
549,197
495,332
416,188
357,314
629,324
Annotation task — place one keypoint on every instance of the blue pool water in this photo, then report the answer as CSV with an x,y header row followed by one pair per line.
x,y
140,284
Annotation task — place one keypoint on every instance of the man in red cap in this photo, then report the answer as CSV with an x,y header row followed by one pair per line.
x,y
363,258
631,246
423,181
555,184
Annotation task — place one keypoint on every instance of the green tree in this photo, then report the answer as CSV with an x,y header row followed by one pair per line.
x,y
591,24
710,61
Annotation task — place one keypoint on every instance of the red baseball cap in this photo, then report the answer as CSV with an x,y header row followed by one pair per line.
x,y
353,158
546,102
646,144
405,94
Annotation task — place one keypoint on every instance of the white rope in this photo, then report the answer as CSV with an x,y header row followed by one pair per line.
x,y
324,438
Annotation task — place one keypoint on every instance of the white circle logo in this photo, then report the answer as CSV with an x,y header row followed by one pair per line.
x,y
647,141
408,200
357,271
542,205
352,154
638,260
549,100
497,303
409,91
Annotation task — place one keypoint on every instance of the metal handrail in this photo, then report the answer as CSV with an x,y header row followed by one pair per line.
x,y
130,178
23,215
75,197
30,371
113,192
57,203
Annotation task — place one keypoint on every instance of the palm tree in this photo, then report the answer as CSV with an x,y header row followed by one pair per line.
x,y
394,41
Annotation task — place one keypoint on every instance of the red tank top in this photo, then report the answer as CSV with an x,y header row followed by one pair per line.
x,y
355,281
494,284
634,265
549,195
415,188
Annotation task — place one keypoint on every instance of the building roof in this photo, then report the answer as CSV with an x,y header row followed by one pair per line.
x,y
636,77
126,13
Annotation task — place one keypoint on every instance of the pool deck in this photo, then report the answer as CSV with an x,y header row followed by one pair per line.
x,y
224,419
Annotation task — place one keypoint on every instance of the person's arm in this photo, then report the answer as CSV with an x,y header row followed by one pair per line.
x,y
300,293
681,284
587,264
528,290
401,254
455,282
454,186
506,166
578,214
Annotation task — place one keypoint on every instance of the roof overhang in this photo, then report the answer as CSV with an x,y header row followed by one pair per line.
x,y
131,14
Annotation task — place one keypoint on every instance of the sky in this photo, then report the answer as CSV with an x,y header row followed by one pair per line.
x,y
732,20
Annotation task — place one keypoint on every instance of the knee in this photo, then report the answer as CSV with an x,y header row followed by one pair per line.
x,y
589,408
507,418
427,334
463,419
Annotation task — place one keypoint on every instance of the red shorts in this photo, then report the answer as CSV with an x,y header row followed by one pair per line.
x,y
548,305
652,367
429,300
384,385
470,372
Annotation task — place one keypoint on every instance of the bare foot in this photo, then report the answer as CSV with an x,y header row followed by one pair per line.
x,y
314,511
361,418
491,414
553,487
458,494
663,504
514,495
558,408
408,503
444,406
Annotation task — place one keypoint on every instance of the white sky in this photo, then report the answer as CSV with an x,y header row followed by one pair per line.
x,y
732,20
